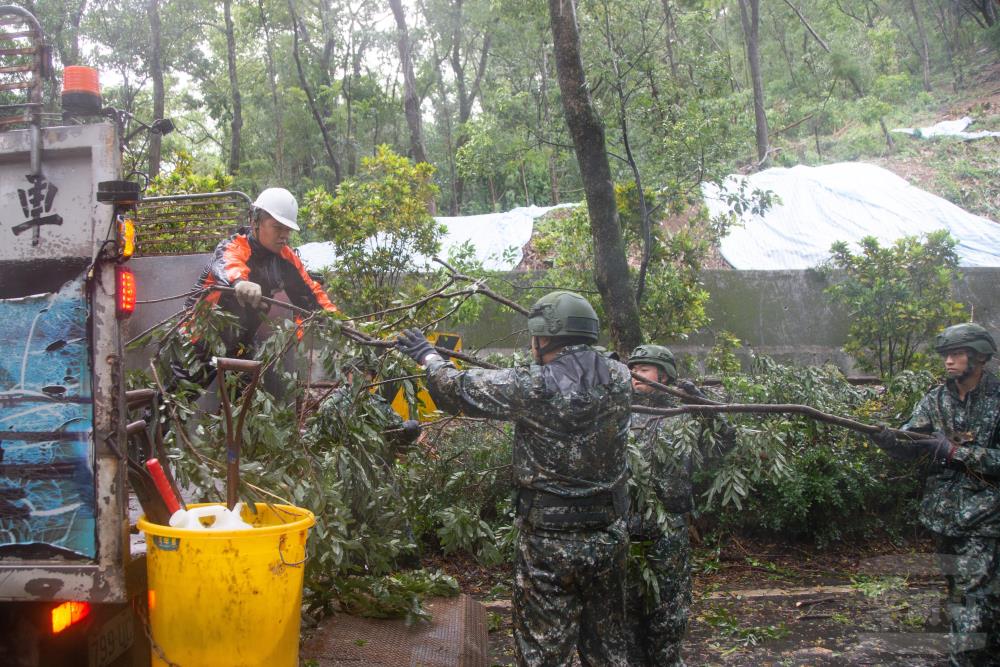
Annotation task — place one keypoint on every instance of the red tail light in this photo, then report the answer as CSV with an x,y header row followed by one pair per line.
x,y
125,287
68,614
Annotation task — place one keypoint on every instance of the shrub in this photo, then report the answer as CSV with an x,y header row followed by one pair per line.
x,y
896,297
833,485
379,224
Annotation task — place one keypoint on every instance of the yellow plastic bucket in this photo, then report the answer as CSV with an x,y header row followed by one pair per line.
x,y
228,598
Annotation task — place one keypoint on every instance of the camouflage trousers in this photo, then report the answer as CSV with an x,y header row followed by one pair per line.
x,y
569,596
972,568
654,628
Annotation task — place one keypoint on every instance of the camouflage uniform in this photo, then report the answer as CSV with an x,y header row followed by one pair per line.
x,y
961,505
571,419
661,500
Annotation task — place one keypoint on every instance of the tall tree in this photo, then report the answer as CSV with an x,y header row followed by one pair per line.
x,y
236,124
313,106
411,101
750,18
468,49
587,130
925,58
272,80
156,74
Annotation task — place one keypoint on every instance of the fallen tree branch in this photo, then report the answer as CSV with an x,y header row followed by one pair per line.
x,y
775,408
674,391
481,287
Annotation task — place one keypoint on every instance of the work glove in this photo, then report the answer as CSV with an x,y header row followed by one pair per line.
x,y
415,345
937,448
248,293
887,442
411,430
690,388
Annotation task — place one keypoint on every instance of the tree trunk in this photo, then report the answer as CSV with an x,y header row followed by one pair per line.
x,y
466,92
236,126
444,111
925,58
155,73
550,155
750,17
524,184
618,85
669,35
989,11
411,102
610,265
73,42
317,116
272,79
345,87
493,192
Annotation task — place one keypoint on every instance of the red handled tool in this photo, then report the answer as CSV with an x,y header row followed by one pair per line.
x,y
163,485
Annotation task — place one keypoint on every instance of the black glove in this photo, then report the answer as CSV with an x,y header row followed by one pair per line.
x,y
414,344
938,448
887,442
411,430
690,388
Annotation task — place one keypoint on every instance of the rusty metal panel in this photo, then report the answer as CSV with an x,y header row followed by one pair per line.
x,y
454,637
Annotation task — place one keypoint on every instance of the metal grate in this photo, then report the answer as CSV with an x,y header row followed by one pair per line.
x,y
25,62
455,637
187,224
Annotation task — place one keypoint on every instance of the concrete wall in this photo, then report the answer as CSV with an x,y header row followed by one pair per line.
x,y
784,314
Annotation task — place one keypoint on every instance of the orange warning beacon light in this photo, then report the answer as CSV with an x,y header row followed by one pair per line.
x,y
81,93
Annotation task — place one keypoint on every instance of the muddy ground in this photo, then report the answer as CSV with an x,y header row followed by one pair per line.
x,y
768,604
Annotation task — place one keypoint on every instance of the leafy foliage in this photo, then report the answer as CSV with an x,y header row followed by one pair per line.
x,y
834,485
185,179
394,595
337,459
460,494
378,223
722,357
675,305
896,298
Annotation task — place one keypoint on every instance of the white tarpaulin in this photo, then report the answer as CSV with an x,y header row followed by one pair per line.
x,y
491,235
843,202
947,128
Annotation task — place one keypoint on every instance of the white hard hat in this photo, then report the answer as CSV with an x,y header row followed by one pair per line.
x,y
280,204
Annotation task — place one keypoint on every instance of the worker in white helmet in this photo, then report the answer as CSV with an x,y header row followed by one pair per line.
x,y
256,262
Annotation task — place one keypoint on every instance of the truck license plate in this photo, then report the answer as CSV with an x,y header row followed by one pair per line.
x,y
112,639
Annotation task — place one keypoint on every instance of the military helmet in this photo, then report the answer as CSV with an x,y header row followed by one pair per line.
x,y
655,355
563,314
967,335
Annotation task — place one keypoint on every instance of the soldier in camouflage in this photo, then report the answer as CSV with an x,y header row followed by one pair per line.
x,y
961,501
657,615
571,414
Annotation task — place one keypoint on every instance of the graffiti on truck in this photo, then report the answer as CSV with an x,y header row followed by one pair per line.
x,y
47,491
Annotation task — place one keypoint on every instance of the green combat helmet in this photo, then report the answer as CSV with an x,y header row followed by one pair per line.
x,y
563,314
967,335
655,355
